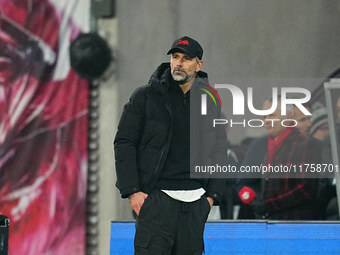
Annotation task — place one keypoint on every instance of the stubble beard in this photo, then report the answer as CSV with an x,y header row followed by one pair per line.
x,y
181,78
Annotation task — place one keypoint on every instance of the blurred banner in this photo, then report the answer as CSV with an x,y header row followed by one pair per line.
x,y
43,127
250,237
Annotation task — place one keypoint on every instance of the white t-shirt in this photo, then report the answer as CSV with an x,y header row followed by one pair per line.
x,y
185,195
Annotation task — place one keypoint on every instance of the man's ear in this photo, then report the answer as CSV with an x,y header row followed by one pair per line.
x,y
199,66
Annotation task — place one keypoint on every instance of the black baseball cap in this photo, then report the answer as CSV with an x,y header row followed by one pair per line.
x,y
188,46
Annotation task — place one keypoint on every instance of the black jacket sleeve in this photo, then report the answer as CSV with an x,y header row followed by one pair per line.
x,y
126,143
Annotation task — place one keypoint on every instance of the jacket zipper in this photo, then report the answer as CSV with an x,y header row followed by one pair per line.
x,y
165,146
160,159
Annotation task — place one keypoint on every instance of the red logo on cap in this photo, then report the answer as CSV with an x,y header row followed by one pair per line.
x,y
184,42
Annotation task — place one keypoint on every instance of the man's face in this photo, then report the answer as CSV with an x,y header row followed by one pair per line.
x,y
274,128
303,121
321,132
183,67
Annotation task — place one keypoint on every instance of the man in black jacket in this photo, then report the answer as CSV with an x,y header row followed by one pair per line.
x,y
281,195
153,156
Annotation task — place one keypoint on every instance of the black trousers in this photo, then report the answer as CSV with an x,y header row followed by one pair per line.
x,y
166,226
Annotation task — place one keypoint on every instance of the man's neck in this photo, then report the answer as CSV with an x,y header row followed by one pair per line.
x,y
187,86
283,134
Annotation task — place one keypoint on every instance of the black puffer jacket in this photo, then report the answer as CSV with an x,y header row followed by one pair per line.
x,y
144,134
